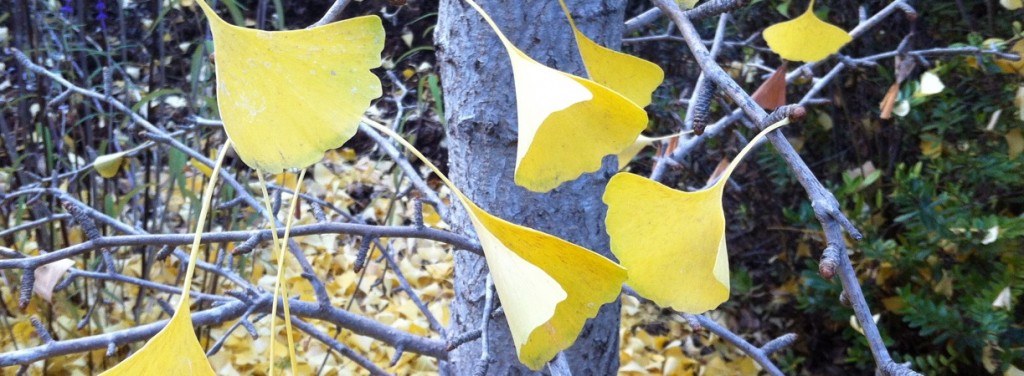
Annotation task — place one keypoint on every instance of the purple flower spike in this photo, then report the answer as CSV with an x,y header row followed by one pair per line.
x,y
102,16
67,10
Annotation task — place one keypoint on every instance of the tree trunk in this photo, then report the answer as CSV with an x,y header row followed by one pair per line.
x,y
480,109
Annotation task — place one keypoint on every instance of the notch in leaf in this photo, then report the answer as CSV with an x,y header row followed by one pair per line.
x,y
805,38
288,96
567,124
672,243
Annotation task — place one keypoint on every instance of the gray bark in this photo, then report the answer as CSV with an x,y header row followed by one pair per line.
x,y
479,98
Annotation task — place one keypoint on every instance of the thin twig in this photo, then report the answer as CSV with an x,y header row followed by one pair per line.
x,y
332,14
824,203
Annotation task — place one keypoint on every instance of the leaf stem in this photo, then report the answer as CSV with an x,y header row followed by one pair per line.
x,y
412,149
281,244
203,211
280,273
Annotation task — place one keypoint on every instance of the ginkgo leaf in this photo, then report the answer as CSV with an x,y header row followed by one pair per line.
x,y
286,97
175,350
672,243
567,124
1012,66
1011,4
108,165
548,287
805,38
633,77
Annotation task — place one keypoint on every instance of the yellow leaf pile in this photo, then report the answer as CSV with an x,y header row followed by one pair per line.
x,y
652,343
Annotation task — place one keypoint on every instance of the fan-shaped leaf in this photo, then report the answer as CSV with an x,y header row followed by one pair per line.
x,y
805,38
175,350
672,243
566,123
630,76
286,97
548,287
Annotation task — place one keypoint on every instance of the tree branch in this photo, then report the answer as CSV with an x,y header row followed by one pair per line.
x,y
825,206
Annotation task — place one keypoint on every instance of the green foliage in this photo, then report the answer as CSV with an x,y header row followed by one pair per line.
x,y
943,234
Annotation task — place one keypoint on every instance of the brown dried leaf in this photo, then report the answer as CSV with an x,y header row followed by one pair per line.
x,y
772,93
47,277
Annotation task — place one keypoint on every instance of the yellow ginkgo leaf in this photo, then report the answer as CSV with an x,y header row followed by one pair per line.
x,y
548,287
1011,66
567,124
805,38
633,77
175,350
108,165
1011,4
286,97
672,243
